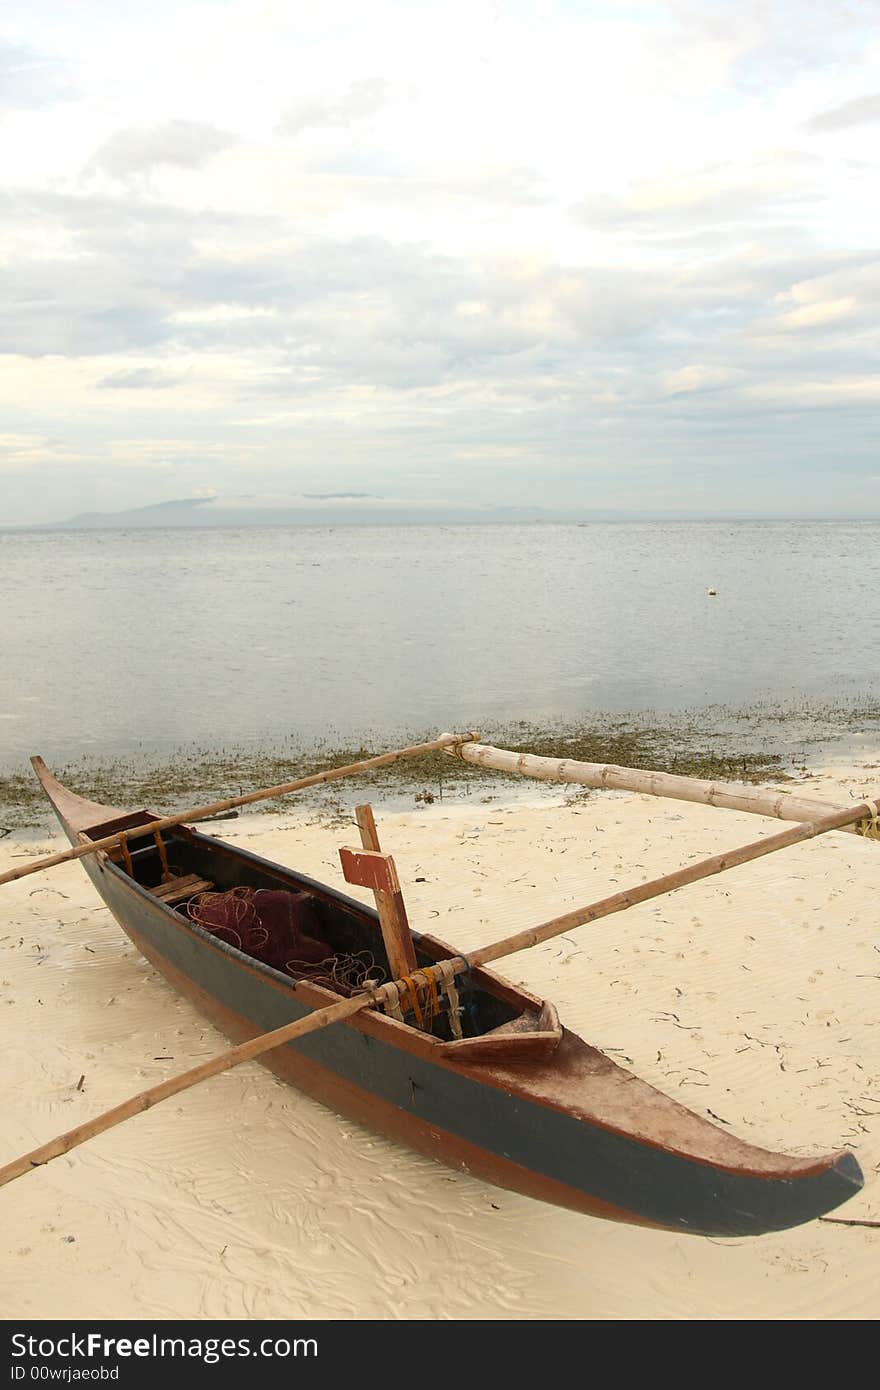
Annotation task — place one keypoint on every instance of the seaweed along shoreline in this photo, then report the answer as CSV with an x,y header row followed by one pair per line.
x,y
758,743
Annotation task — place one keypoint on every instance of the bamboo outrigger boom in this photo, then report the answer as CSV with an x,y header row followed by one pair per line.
x,y
441,972
608,776
333,774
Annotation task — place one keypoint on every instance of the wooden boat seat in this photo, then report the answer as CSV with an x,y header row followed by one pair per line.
x,y
530,1037
174,890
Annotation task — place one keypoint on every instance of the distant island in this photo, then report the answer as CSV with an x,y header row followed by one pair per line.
x,y
205,512
365,509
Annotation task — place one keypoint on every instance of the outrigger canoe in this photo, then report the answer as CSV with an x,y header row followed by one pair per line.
x,y
496,1087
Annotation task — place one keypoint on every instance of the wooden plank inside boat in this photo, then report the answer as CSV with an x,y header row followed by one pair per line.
x,y
175,890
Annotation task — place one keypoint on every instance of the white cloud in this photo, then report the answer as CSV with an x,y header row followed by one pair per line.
x,y
845,297
698,377
860,111
434,241
140,379
22,448
818,315
843,391
183,144
359,100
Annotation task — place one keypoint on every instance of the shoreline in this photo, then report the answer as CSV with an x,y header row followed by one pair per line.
x,y
752,744
751,996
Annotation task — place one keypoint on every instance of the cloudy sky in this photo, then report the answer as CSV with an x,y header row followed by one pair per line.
x,y
569,255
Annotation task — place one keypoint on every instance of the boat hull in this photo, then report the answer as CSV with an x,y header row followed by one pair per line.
x,y
574,1129
497,1134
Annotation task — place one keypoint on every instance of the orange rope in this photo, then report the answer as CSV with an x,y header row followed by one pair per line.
x,y
414,1000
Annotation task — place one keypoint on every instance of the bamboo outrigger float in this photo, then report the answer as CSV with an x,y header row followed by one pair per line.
x,y
758,801
447,1057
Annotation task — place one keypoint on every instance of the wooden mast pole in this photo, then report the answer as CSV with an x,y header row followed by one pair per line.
x,y
389,901
332,774
346,1008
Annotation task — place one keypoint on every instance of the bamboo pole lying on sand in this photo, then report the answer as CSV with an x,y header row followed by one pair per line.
x,y
264,794
456,965
757,800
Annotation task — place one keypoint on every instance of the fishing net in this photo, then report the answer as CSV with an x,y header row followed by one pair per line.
x,y
282,929
346,972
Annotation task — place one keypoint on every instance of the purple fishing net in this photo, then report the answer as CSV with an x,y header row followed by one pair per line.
x,y
282,929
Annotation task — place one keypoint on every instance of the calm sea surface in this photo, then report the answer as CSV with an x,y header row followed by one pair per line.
x,y
140,642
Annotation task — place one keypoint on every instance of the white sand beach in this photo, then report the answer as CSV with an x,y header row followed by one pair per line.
x,y
755,995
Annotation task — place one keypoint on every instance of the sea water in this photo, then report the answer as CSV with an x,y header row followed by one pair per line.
x,y
139,642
